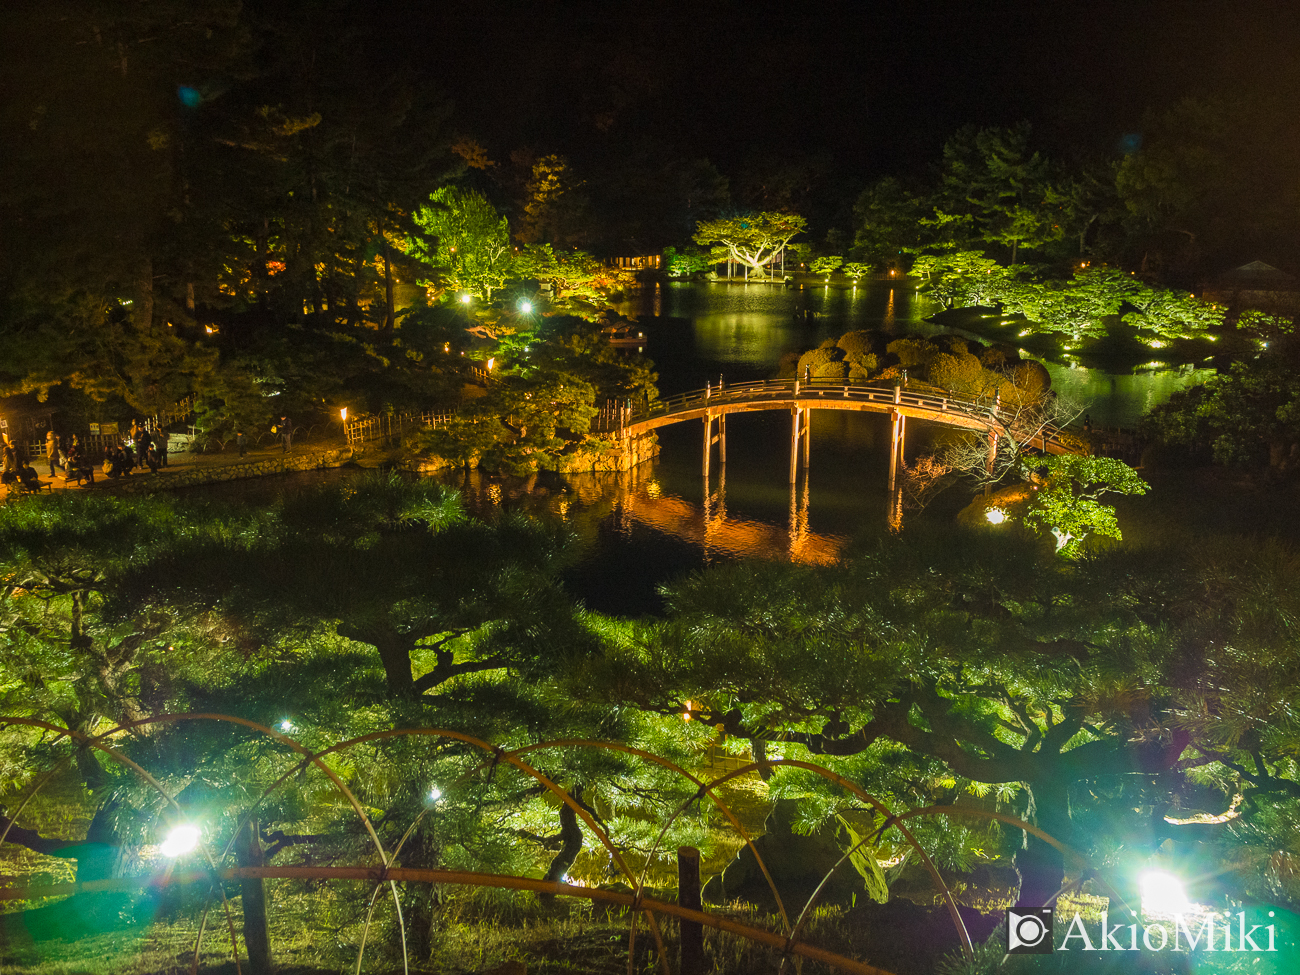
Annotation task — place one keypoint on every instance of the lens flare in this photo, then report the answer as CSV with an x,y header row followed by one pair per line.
x,y
180,841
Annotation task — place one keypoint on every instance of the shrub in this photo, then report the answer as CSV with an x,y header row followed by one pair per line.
x,y
856,342
831,370
813,360
912,352
960,373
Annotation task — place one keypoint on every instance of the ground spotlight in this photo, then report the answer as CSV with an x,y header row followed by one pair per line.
x,y
1162,894
180,841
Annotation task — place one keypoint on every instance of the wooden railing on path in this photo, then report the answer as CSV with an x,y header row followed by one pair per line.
x,y
369,428
391,426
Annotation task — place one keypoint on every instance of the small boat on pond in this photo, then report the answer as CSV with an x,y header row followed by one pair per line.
x,y
625,334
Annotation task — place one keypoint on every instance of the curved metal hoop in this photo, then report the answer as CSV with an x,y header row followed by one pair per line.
x,y
469,878
390,873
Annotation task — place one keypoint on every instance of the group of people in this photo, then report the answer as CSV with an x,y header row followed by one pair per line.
x,y
13,471
140,448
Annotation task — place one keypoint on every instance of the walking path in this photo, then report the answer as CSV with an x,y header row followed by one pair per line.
x,y
185,468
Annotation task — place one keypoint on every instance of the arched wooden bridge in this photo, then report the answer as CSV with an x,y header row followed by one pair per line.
x,y
712,404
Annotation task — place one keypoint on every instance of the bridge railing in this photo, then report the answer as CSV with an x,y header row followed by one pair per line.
x,y
805,389
757,391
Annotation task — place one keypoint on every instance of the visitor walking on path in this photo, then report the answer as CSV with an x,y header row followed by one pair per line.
x,y
162,438
285,429
52,452
9,465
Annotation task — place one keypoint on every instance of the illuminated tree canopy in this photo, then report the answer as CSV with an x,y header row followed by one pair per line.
x,y
753,239
473,241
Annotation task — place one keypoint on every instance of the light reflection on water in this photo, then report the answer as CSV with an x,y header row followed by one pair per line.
x,y
1119,400
698,331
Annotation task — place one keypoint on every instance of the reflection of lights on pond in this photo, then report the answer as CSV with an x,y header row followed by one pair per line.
x,y
563,508
494,493
653,489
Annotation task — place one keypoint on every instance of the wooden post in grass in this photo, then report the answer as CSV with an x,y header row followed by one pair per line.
x,y
688,895
257,938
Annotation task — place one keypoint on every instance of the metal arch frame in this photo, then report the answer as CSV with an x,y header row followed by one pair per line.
x,y
390,873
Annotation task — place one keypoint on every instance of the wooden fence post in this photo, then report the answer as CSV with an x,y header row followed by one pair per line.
x,y
688,895
253,897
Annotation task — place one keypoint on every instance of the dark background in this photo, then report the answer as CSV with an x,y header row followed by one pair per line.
x,y
878,86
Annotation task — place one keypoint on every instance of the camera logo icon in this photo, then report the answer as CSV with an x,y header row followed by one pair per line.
x,y
1029,931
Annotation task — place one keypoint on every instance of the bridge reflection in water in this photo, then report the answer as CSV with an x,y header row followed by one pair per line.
x,y
723,536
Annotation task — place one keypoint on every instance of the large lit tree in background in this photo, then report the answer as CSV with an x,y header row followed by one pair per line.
x,y
555,209
992,175
963,278
473,241
752,239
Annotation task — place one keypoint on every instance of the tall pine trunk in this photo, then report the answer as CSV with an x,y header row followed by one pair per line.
x,y
1040,865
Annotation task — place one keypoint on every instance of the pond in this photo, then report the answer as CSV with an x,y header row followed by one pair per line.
x,y
643,529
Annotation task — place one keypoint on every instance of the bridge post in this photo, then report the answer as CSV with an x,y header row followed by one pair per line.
x,y
807,436
722,440
894,437
794,441
708,442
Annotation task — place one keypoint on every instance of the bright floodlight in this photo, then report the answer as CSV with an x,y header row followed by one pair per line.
x,y
526,307
996,516
435,794
465,299
1162,894
180,841
286,725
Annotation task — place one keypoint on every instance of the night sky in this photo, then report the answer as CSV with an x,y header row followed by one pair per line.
x,y
877,86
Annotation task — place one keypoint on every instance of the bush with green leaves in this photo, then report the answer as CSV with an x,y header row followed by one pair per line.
x,y
825,265
1067,502
1248,417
